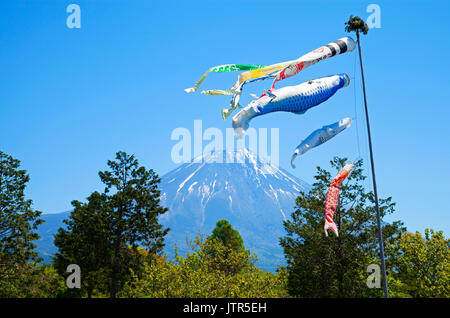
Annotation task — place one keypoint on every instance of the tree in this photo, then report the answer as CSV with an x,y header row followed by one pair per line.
x,y
421,264
29,280
320,266
86,242
197,275
356,24
18,220
133,211
112,225
228,236
231,243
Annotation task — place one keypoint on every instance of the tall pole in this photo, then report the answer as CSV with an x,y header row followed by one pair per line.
x,y
380,233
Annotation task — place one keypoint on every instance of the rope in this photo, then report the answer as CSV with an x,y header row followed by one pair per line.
x,y
356,112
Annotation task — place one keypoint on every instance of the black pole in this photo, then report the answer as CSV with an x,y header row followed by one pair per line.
x,y
380,233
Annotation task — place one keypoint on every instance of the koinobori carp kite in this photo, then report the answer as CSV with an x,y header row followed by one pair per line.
x,y
320,136
295,99
278,71
333,197
334,48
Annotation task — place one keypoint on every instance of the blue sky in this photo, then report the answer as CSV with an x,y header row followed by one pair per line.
x,y
71,98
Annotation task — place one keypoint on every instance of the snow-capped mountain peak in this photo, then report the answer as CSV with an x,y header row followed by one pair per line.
x,y
252,194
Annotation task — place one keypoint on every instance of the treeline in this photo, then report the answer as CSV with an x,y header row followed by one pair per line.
x,y
117,241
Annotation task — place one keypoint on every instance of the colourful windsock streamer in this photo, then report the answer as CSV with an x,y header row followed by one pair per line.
x,y
320,136
295,99
222,69
337,47
333,197
278,71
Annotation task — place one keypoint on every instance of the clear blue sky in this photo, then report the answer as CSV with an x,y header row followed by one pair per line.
x,y
71,98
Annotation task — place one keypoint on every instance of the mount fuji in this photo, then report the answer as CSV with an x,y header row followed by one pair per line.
x,y
253,195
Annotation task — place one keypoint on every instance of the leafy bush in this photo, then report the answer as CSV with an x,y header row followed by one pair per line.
x,y
212,270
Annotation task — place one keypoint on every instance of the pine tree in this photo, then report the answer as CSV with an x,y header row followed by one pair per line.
x,y
320,266
104,234
86,242
232,257
18,223
228,236
18,220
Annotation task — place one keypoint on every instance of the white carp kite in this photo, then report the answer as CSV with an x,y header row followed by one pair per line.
x,y
320,136
295,99
277,71
333,197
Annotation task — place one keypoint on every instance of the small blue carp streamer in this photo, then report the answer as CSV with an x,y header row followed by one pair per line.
x,y
320,136
295,99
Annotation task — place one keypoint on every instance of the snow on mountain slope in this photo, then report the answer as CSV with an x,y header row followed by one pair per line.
x,y
253,195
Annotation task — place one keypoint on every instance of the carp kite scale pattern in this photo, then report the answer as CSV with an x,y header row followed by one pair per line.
x,y
295,99
332,199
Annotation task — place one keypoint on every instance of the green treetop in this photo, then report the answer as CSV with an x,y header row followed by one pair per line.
x,y
228,236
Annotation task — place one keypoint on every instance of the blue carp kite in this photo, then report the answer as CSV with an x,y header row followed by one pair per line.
x,y
295,99
320,136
